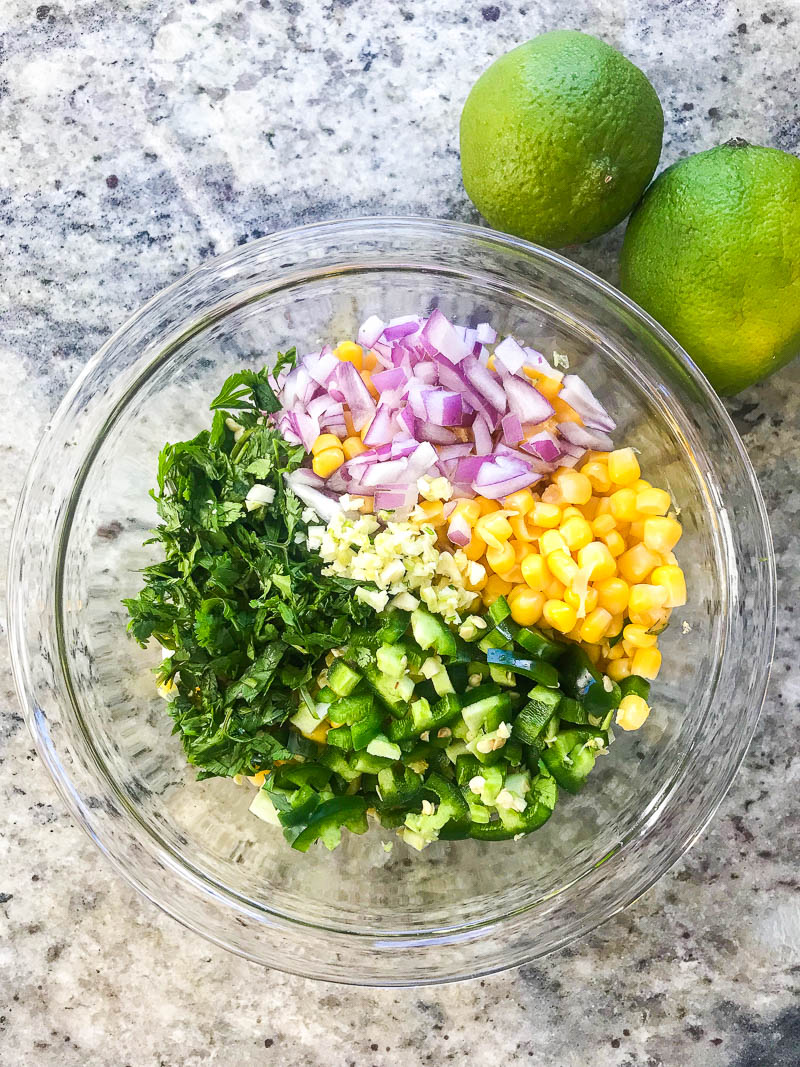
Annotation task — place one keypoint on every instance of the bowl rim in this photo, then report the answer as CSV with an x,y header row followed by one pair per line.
x,y
273,241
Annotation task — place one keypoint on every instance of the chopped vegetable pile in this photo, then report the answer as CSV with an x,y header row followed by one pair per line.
x,y
408,578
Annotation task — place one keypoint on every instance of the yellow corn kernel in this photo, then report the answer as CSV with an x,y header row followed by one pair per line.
x,y
501,557
603,506
661,534
595,625
495,587
635,564
353,446
615,543
616,652
535,571
547,515
575,487
368,505
623,466
486,505
570,511
475,579
476,547
646,662
494,528
350,352
521,548
636,531
593,652
612,594
598,560
589,509
320,733
575,632
514,575
671,578
551,495
644,598
371,361
623,505
552,541
563,566
559,615
521,501
638,637
651,501
574,600
617,669
328,461
597,473
433,513
603,525
632,712
325,440
366,378
555,590
526,607
576,531
615,626
520,528
469,510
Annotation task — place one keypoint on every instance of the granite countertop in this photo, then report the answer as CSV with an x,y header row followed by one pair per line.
x,y
140,138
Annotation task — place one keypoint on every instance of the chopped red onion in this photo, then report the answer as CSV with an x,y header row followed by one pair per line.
x,y
486,333
443,408
390,379
512,429
576,393
502,475
510,354
393,499
369,331
459,531
579,435
399,328
323,505
448,452
308,428
544,445
426,430
356,395
536,361
526,402
486,383
381,429
441,335
321,365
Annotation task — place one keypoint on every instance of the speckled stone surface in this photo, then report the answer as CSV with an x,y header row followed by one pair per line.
x,y
139,138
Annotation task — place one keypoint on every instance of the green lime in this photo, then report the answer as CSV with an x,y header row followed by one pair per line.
x,y
559,139
713,253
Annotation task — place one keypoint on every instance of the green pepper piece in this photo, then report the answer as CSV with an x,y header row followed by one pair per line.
x,y
499,610
340,738
570,759
325,823
366,728
539,671
394,625
432,632
635,685
542,705
398,787
349,709
539,646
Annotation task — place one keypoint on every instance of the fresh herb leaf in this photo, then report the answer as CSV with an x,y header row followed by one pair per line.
x,y
238,598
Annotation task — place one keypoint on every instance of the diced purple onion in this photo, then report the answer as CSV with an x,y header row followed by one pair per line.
x,y
510,354
443,408
369,331
576,393
579,435
459,531
381,429
526,402
486,333
512,429
544,445
440,333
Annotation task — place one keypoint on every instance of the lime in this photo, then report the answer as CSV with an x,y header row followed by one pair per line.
x,y
559,139
713,253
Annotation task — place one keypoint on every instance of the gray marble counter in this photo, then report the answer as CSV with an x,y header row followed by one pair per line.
x,y
139,138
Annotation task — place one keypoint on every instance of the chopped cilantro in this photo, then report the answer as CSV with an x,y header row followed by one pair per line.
x,y
238,599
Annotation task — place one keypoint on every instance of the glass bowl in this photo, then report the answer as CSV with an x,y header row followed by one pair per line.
x,y
362,914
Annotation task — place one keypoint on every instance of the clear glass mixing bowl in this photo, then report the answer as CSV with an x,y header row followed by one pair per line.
x,y
361,914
